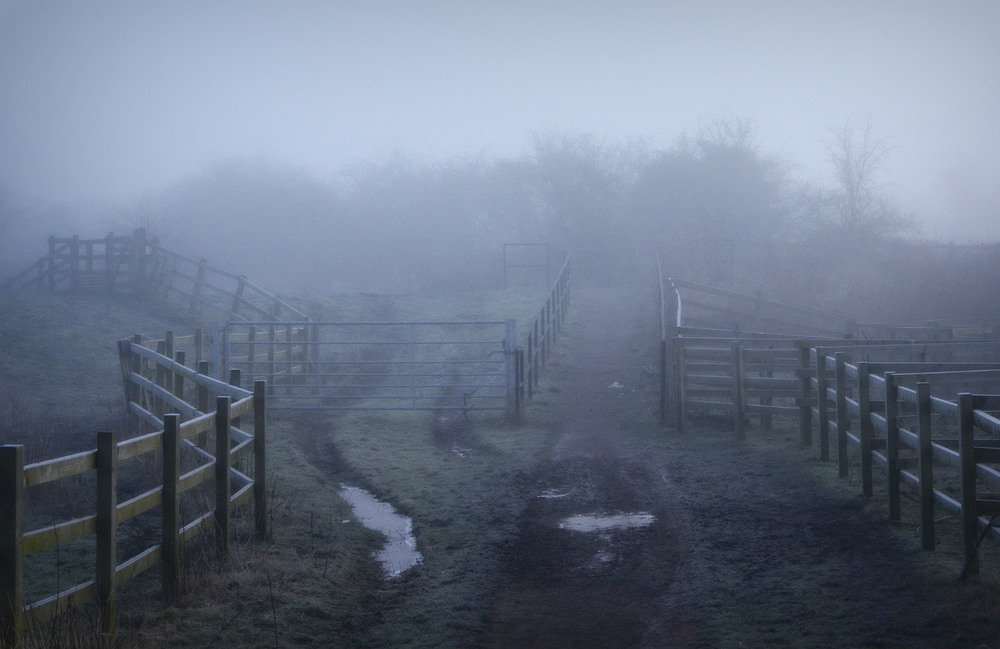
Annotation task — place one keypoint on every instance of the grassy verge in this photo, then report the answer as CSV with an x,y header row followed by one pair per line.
x,y
314,582
829,568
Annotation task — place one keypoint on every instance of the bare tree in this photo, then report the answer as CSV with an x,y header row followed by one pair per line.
x,y
730,131
863,206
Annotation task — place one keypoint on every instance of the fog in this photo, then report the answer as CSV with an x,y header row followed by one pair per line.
x,y
104,106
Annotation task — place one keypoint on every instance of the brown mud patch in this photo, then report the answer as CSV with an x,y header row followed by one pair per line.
x,y
752,545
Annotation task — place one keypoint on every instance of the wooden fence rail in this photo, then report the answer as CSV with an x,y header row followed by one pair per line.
x,y
921,402
199,285
113,264
150,378
138,265
908,432
736,377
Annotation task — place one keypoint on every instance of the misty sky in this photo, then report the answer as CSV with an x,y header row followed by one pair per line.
x,y
105,101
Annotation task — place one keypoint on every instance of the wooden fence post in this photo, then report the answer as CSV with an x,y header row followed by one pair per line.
x,y
52,263
205,369
680,385
168,351
663,380
178,387
238,295
12,622
805,394
822,405
111,263
739,395
519,381
199,352
222,446
529,363
843,419
272,336
129,364
138,261
107,531
74,263
251,349
312,351
215,350
510,355
866,428
534,353
766,398
967,459
892,444
235,379
926,470
170,562
159,407
260,459
289,349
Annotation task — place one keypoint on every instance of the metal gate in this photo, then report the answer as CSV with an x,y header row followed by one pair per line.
x,y
463,366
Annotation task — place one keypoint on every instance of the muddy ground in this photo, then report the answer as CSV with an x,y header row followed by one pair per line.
x,y
749,547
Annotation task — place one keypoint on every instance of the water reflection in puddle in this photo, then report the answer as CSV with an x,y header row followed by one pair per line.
x,y
400,551
605,522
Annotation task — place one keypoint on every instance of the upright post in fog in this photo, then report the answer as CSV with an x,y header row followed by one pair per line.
x,y
12,620
510,355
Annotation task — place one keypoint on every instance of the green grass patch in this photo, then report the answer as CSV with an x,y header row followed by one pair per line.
x,y
314,582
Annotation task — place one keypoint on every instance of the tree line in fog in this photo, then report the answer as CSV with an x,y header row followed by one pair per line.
x,y
714,206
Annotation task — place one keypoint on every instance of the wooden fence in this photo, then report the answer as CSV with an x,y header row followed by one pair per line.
x,y
113,264
159,389
921,402
462,366
889,414
137,265
736,377
201,286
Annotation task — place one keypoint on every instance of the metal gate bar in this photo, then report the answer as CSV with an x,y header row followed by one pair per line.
x,y
378,365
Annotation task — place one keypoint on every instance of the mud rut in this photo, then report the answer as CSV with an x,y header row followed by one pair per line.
x,y
613,588
802,567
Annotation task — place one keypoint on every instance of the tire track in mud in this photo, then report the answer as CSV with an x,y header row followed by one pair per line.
x,y
615,587
749,547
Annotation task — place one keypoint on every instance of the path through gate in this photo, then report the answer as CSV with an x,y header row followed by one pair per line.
x,y
460,366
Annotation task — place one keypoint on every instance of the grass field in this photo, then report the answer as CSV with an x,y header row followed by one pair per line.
x,y
314,582
764,521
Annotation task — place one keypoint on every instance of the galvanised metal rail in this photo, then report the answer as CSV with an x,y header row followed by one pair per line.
x,y
377,365
542,335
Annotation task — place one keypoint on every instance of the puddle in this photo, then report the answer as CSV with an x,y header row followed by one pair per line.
x,y
605,522
461,451
400,551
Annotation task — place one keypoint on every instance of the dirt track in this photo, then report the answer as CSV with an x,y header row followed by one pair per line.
x,y
747,549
